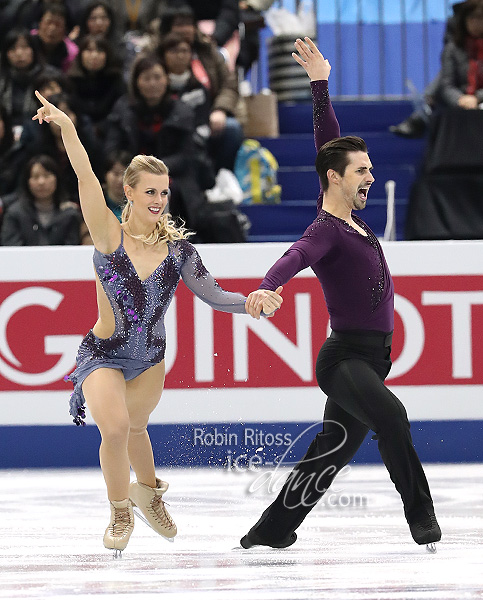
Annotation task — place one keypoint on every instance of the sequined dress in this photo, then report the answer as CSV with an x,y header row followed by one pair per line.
x,y
351,267
139,306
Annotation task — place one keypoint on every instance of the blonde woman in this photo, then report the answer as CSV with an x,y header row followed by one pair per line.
x,y
120,363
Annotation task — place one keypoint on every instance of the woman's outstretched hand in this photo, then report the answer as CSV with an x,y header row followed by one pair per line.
x,y
48,112
310,58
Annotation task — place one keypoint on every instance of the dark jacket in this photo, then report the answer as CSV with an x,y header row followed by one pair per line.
x,y
21,226
96,94
454,75
11,162
173,142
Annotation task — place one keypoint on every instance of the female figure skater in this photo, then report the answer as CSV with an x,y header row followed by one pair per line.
x,y
120,363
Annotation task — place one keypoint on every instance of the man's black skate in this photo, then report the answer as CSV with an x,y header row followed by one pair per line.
x,y
261,534
426,531
253,539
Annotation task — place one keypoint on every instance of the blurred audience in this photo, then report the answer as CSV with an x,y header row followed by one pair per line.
x,y
209,68
175,99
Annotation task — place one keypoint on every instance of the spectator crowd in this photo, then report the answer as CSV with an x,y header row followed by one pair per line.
x,y
145,77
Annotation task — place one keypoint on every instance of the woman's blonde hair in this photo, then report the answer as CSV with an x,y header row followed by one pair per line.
x,y
166,229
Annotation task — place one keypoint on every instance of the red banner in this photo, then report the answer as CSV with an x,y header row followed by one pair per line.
x,y
437,337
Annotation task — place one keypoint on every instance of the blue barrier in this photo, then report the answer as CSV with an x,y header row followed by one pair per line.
x,y
222,444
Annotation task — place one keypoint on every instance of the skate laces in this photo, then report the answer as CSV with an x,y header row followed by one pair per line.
x,y
160,513
121,523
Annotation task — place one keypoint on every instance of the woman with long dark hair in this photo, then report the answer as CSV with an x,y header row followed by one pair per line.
x,y
20,65
462,60
42,215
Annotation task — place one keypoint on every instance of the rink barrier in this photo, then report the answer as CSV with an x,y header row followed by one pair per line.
x,y
229,373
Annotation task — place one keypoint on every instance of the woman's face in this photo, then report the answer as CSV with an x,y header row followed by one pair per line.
x,y
149,197
98,22
93,58
152,84
20,55
178,58
42,183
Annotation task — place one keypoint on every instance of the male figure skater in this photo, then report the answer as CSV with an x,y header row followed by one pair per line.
x,y
352,364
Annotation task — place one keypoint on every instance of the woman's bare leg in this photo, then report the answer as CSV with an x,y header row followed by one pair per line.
x,y
142,396
105,394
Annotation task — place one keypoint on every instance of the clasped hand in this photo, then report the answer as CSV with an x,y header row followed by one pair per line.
x,y
265,300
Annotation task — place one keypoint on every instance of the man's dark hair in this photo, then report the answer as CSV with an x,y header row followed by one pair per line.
x,y
334,155
168,17
55,9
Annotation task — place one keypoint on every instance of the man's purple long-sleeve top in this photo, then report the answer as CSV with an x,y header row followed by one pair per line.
x,y
351,268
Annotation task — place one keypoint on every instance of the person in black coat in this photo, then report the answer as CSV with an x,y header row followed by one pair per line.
x,y
20,65
96,80
148,121
41,215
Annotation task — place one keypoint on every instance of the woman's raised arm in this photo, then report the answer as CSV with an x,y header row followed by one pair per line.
x,y
103,225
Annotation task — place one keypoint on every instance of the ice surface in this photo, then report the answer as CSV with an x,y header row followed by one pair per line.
x,y
354,546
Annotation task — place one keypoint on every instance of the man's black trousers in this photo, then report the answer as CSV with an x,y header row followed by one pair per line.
x,y
350,369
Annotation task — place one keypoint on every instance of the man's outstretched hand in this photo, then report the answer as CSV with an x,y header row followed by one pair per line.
x,y
265,300
310,58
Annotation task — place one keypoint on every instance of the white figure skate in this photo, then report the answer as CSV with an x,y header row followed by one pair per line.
x,y
152,509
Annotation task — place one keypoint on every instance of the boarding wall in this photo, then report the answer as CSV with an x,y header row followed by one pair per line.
x,y
241,391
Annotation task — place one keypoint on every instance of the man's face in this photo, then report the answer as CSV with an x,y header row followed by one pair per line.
x,y
52,29
357,180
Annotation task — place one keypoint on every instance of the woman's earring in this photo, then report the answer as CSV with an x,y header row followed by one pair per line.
x,y
130,202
